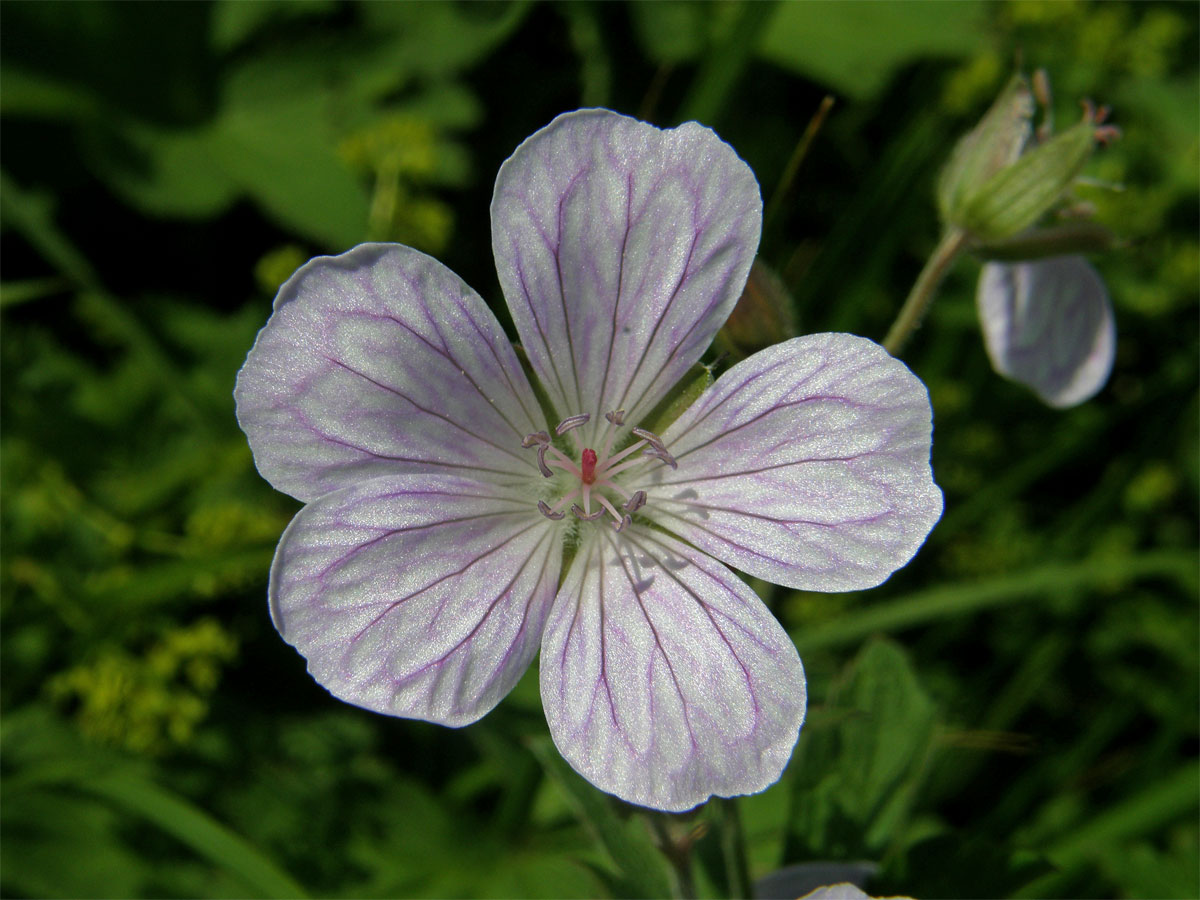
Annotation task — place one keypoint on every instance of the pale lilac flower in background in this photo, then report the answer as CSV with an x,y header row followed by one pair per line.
x,y
454,529
1049,325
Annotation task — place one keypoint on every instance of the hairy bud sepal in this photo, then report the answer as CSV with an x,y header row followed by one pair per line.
x,y
1017,196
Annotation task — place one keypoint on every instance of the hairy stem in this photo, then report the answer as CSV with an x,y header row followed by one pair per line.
x,y
924,289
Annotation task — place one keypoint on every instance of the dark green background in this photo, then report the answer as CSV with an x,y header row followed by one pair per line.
x,y
1013,713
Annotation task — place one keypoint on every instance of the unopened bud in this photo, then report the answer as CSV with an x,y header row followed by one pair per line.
x,y
1017,196
995,186
995,143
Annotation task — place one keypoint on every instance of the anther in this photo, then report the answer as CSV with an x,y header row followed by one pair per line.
x,y
616,417
623,524
661,453
634,503
538,438
546,511
650,438
571,422
582,516
545,469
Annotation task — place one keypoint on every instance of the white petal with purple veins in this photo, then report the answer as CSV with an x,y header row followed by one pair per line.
x,y
806,464
1049,325
382,361
621,249
664,678
417,596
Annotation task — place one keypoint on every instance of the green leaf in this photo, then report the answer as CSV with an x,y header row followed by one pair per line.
x,y
972,597
856,47
860,762
195,828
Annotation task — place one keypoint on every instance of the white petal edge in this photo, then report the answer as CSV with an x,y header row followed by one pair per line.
x,y
664,678
381,361
621,249
806,464
1049,325
416,596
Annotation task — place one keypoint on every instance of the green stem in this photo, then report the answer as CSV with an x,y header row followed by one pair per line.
x,y
677,852
733,849
793,164
923,291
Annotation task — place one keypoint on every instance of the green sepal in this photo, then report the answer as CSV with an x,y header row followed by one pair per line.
x,y
1056,240
1017,196
992,145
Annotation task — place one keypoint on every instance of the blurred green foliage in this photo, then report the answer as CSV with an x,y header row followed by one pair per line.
x,y
1013,713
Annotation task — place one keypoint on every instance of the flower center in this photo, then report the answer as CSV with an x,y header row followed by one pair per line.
x,y
592,483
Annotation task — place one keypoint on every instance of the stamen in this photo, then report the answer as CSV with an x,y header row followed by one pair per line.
x,y
650,438
585,517
592,476
608,506
660,453
571,422
542,460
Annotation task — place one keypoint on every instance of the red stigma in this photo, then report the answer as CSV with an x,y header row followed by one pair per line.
x,y
589,466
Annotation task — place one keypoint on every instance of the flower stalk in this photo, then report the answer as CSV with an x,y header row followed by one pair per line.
x,y
924,289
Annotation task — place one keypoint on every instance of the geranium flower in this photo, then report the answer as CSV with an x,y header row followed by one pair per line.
x,y
457,521
1048,324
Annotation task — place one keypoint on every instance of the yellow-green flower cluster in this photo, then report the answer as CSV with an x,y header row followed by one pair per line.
x,y
153,702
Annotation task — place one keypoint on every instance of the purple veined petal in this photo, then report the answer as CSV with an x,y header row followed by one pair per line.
x,y
382,361
621,249
421,596
806,464
1049,325
664,678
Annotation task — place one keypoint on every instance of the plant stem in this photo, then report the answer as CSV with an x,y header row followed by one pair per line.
x,y
733,848
677,852
924,289
793,164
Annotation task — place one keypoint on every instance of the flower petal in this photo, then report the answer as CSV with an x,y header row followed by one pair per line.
x,y
382,361
621,249
664,678
417,596
1049,325
806,464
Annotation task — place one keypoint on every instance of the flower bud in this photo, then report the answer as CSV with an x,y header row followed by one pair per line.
x,y
1017,196
993,144
993,187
